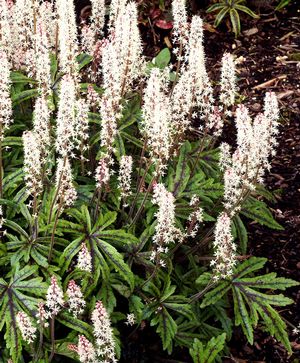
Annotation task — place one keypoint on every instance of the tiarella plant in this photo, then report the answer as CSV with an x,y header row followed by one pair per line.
x,y
121,204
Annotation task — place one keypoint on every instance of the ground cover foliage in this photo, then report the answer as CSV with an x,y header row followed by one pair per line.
x,y
122,210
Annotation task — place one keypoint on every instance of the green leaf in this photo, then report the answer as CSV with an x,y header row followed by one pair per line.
x,y
18,77
16,295
163,58
235,21
212,296
248,266
117,261
258,211
182,175
217,6
75,324
166,327
246,10
241,315
118,238
207,354
12,141
274,325
242,234
83,59
220,16
132,139
24,95
282,4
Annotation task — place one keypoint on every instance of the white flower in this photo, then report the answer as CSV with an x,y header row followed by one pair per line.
x,y
64,182
156,121
85,350
180,24
130,319
28,331
98,16
102,174
42,315
5,100
228,80
124,177
165,230
103,333
116,7
224,248
55,298
84,262
67,36
66,116
33,162
42,59
75,298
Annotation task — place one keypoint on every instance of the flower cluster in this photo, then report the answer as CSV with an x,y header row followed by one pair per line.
x,y
85,350
33,165
255,144
122,61
224,248
64,183
195,218
157,118
55,298
75,299
103,333
192,95
228,80
102,173
180,24
84,262
41,66
28,331
5,101
67,36
124,177
66,117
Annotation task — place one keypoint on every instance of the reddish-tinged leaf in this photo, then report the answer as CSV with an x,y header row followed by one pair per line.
x,y
154,13
163,24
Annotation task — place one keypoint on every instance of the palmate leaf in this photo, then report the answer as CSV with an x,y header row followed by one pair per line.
x,y
19,294
250,303
99,242
207,353
182,175
166,327
259,212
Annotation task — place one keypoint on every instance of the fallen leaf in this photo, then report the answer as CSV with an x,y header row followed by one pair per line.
x,y
250,32
163,24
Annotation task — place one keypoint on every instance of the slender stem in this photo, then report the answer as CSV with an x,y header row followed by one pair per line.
x,y
141,182
52,325
201,293
143,202
57,191
177,68
1,162
53,233
96,213
35,217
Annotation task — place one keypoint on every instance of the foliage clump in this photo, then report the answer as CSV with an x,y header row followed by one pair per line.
x,y
121,208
